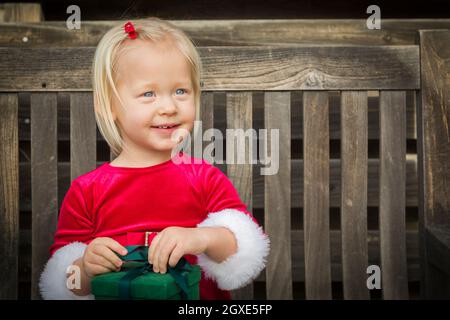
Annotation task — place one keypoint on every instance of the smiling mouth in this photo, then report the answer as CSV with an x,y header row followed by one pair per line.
x,y
166,126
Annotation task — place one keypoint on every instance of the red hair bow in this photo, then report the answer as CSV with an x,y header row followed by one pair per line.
x,y
129,28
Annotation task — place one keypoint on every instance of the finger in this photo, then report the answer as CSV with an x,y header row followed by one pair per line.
x,y
175,256
151,249
109,255
97,269
100,260
96,257
164,254
153,244
156,252
115,246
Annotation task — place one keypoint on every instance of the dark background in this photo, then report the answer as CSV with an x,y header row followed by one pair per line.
x,y
250,9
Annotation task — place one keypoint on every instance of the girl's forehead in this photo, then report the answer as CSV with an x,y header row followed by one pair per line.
x,y
140,66
139,46
147,58
145,51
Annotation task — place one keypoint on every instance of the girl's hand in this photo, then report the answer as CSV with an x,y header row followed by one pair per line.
x,y
99,256
173,243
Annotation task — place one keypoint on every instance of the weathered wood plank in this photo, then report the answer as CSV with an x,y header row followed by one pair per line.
x,y
43,173
233,32
277,197
316,197
239,116
354,194
20,13
392,194
205,122
207,110
232,68
9,195
433,141
83,153
435,135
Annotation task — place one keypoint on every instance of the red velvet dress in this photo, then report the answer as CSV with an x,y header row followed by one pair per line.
x,y
123,203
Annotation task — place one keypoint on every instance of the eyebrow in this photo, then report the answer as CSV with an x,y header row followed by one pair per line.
x,y
152,84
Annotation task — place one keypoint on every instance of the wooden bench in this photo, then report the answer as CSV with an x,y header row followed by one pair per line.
x,y
331,103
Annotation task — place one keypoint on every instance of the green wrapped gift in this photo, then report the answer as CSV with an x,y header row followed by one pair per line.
x,y
137,281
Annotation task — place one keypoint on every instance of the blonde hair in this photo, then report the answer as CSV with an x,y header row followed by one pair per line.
x,y
103,69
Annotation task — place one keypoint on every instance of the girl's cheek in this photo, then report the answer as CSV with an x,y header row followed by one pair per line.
x,y
137,120
189,107
142,111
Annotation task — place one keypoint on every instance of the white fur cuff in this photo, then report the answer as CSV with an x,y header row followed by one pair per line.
x,y
53,279
252,249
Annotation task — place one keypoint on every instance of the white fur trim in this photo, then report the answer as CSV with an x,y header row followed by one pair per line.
x,y
253,247
53,279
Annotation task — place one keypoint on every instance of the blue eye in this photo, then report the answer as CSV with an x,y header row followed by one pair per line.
x,y
145,94
183,90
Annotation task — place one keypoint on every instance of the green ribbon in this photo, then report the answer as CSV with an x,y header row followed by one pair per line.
x,y
136,260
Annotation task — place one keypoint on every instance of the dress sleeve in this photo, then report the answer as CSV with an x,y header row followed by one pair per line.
x,y
73,233
224,208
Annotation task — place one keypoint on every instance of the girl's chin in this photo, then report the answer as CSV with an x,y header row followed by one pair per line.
x,y
165,147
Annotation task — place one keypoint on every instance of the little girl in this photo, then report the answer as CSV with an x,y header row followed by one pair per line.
x,y
146,85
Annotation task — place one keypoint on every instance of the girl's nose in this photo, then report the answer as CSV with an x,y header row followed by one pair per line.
x,y
167,106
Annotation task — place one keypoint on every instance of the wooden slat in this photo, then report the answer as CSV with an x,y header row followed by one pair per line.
x,y
392,194
435,135
234,32
239,116
232,68
277,193
207,110
258,99
207,118
205,121
433,117
44,181
9,195
20,12
83,153
354,194
316,195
